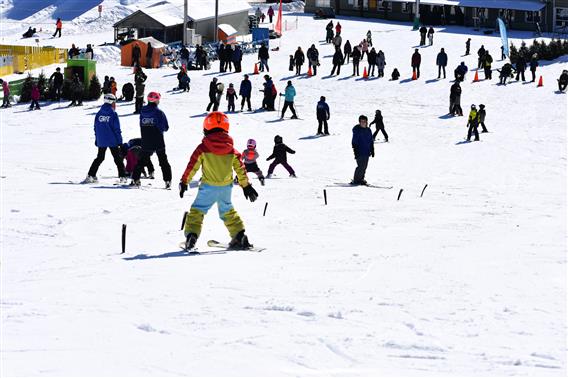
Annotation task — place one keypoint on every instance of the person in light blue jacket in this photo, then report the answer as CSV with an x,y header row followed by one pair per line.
x,y
107,135
289,95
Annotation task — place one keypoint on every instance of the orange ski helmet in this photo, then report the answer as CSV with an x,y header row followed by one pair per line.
x,y
216,120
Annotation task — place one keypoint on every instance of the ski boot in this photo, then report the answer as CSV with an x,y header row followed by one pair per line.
x,y
168,185
240,241
135,183
123,180
190,241
293,175
261,178
90,180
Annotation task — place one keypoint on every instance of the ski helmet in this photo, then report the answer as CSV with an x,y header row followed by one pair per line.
x,y
277,139
110,98
216,120
154,97
481,106
251,143
473,106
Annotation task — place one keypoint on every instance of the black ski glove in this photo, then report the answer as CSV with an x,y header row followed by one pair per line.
x,y
250,193
182,189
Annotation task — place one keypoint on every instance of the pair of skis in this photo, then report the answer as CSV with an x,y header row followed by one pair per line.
x,y
223,246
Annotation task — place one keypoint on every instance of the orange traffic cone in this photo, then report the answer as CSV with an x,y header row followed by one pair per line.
x,y
540,82
476,77
310,71
256,68
365,74
413,75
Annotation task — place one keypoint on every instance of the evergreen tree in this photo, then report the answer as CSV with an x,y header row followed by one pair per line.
x,y
26,94
43,86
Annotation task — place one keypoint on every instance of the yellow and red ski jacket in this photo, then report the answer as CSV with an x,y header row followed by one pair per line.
x,y
219,158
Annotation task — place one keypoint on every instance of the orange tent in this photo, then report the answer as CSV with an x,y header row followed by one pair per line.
x,y
126,52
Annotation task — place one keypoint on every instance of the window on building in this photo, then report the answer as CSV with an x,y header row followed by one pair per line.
x,y
406,7
323,3
561,17
532,16
388,5
482,13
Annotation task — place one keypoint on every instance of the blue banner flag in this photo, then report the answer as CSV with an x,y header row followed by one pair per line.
x,y
504,38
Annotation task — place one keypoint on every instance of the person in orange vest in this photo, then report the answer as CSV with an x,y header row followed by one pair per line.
x,y
58,26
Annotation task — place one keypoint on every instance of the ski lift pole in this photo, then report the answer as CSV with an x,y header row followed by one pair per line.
x,y
417,16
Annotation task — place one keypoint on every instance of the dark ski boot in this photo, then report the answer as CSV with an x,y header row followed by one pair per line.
x,y
240,241
190,241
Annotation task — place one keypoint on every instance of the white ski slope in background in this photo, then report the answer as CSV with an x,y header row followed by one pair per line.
x,y
470,279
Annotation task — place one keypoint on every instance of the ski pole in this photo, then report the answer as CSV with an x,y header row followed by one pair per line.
x,y
279,99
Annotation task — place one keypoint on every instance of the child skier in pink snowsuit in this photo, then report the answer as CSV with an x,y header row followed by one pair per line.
x,y
249,158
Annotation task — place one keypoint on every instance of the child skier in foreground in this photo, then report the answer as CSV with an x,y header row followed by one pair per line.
x,y
218,158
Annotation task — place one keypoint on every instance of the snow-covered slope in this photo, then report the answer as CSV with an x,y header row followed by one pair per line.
x,y
469,279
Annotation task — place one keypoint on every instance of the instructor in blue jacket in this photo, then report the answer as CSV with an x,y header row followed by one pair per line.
x,y
107,135
153,125
363,147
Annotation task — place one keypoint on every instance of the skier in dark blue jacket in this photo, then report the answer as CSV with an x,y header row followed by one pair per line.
x,y
363,147
153,125
244,91
107,135
442,62
237,58
322,113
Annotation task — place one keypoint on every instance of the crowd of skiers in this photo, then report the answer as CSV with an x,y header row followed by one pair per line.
x,y
216,154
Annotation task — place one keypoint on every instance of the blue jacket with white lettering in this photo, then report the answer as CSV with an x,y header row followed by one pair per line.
x,y
107,127
153,125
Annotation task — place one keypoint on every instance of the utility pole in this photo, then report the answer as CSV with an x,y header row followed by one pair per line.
x,y
216,19
185,22
417,16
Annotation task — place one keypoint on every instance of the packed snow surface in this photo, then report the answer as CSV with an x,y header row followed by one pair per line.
x,y
469,278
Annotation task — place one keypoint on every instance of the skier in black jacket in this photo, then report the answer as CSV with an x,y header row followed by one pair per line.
x,y
299,59
455,99
279,154
263,56
481,117
213,95
337,61
378,121
356,55
372,60
221,56
56,79
322,112
313,59
347,50
423,32
521,66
